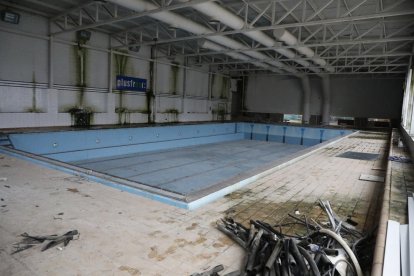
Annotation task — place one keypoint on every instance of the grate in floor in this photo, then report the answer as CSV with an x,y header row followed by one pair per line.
x,y
359,155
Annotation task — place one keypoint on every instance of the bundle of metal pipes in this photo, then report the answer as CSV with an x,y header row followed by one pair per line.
x,y
320,251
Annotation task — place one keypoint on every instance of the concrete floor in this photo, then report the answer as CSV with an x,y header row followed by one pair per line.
x,y
124,234
191,169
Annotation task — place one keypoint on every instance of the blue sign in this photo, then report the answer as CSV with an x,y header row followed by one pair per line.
x,y
131,84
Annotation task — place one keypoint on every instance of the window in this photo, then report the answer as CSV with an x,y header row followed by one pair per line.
x,y
341,121
408,104
292,118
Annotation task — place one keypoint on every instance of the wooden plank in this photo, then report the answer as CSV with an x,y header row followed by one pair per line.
x,y
411,232
405,254
373,178
392,250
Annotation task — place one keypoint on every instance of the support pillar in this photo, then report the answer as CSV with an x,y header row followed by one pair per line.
x,y
306,99
326,97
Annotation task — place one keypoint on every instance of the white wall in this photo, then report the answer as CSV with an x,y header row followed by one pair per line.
x,y
353,96
27,100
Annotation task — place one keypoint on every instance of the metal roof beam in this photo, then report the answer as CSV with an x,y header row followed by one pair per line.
x,y
339,42
317,12
337,72
288,12
132,16
76,8
22,8
359,18
402,54
353,8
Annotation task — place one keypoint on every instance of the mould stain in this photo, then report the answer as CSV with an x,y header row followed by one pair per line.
x,y
154,253
183,242
121,62
155,233
34,107
130,270
223,241
207,255
73,190
192,227
81,56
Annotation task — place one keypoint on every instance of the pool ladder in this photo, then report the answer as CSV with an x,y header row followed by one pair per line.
x,y
5,141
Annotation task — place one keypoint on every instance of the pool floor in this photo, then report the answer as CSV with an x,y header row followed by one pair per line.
x,y
188,170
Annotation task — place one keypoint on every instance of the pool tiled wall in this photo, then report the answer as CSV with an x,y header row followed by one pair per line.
x,y
70,146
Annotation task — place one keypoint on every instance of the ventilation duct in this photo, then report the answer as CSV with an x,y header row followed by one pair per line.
x,y
178,21
217,12
291,40
215,47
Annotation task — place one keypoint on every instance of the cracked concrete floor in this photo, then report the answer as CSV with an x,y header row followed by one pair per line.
x,y
124,234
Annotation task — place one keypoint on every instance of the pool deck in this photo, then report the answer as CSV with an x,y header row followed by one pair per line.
x,y
125,234
190,169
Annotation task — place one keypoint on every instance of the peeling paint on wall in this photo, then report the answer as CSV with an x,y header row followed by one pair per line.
x,y
34,108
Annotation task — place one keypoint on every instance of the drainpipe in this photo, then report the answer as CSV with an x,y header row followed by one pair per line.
x,y
51,55
326,104
306,98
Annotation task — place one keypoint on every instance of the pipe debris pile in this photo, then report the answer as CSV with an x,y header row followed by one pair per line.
x,y
29,241
321,251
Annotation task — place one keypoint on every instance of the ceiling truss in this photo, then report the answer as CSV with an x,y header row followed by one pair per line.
x,y
366,36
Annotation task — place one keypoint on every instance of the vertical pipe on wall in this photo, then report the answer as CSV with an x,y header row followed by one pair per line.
x,y
184,85
155,100
111,60
326,98
209,93
305,99
110,103
50,57
152,96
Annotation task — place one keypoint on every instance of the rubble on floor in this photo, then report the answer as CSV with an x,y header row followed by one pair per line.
x,y
30,241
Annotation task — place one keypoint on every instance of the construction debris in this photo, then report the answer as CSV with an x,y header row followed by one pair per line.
x,y
31,241
212,272
400,159
321,251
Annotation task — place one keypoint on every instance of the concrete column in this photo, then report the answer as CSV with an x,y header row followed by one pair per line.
x,y
326,97
306,99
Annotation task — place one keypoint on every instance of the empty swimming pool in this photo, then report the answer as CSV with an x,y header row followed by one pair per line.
x,y
184,165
